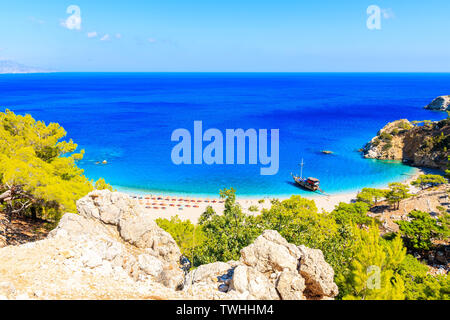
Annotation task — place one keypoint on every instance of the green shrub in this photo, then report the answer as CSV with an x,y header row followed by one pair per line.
x,y
227,234
387,146
187,236
371,196
419,232
419,285
429,180
396,193
385,137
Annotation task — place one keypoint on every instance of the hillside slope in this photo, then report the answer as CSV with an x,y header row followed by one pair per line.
x,y
419,145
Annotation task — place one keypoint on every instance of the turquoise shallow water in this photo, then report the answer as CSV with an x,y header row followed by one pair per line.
x,y
128,118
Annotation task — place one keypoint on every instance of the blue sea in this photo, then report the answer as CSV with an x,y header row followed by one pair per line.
x,y
128,118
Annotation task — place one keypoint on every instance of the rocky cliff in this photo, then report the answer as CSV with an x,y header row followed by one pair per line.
x,y
112,250
420,144
441,103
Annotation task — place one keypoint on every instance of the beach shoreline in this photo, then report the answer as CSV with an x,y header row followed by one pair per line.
x,y
191,207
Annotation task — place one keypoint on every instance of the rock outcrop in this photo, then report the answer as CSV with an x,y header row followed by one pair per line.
x,y
269,269
121,233
424,144
317,273
3,222
441,103
112,250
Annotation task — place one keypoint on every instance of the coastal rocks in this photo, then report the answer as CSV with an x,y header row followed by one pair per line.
x,y
137,229
210,281
143,232
150,265
107,206
387,144
270,253
112,250
134,225
3,222
423,144
249,283
208,272
74,225
59,268
441,103
269,269
7,290
318,274
112,234
291,285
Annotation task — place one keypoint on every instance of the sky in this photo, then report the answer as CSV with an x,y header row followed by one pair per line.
x,y
227,36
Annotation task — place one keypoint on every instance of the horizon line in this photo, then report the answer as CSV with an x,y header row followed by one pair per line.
x,y
292,72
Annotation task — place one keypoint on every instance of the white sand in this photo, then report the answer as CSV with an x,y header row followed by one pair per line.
x,y
167,207
191,208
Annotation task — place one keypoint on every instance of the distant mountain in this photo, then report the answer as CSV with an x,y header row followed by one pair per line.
x,y
8,66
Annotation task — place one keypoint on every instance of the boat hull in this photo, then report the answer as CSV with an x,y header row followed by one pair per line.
x,y
305,185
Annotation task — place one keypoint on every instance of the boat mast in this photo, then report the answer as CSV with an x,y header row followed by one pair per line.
x,y
301,170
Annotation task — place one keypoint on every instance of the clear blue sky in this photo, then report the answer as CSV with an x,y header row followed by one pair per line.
x,y
232,35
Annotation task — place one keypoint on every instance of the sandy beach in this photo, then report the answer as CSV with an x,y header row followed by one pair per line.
x,y
191,207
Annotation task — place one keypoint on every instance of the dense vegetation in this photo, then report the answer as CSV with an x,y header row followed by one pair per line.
x,y
371,196
429,180
437,138
447,172
396,193
227,234
38,172
421,229
366,265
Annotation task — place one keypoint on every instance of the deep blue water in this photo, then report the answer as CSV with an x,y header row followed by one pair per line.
x,y
128,118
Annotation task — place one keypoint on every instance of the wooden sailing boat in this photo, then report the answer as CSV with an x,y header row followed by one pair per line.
x,y
312,184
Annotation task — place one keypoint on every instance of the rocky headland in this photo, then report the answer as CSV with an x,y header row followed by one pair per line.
x,y
441,103
423,144
112,249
